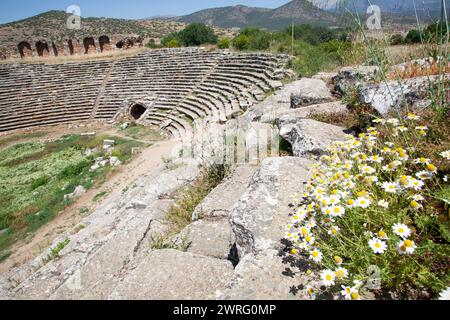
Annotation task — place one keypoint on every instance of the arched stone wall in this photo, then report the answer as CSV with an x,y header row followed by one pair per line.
x,y
89,45
105,43
25,49
42,49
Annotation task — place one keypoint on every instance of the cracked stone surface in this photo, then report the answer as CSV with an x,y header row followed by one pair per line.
x,y
220,201
259,217
171,274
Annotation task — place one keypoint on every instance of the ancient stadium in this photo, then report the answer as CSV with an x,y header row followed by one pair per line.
x,y
235,153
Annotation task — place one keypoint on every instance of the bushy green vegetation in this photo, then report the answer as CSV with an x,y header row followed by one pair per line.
x,y
224,43
35,177
431,34
315,48
193,35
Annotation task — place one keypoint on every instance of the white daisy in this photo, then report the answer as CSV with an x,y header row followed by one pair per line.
x,y
363,202
376,158
424,175
401,230
422,161
406,247
337,211
316,255
390,187
393,121
445,294
383,204
378,246
412,117
417,184
327,277
445,154
367,170
346,292
417,197
333,231
341,273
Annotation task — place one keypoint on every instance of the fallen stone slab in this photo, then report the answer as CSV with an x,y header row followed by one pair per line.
x,y
349,78
259,217
174,275
310,91
309,137
305,112
386,96
327,77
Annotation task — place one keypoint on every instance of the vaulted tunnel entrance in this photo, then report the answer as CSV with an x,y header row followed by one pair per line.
x,y
105,44
42,49
89,45
137,111
25,49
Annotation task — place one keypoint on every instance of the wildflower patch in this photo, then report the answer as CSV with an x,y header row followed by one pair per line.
x,y
372,205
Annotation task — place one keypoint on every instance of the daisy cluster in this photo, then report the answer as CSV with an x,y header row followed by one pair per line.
x,y
361,175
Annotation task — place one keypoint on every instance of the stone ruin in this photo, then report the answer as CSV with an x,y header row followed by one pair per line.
x,y
182,85
70,47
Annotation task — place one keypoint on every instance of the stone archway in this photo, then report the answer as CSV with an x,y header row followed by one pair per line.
x,y
105,44
137,111
42,49
25,49
89,45
120,44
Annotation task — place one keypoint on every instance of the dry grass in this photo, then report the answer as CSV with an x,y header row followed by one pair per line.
x,y
404,53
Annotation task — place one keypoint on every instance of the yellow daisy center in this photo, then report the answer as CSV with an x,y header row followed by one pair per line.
x,y
355,295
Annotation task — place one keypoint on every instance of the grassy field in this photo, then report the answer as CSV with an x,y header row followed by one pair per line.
x,y
139,132
35,177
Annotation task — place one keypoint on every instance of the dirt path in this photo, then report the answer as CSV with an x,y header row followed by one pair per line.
x,y
149,160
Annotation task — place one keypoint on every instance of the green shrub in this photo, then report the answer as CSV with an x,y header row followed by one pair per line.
x,y
252,39
41,181
397,39
241,42
223,43
413,36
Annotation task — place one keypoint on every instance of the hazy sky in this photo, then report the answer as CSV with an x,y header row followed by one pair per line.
x,y
12,10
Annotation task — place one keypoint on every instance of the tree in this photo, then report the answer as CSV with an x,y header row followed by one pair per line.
x,y
197,34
